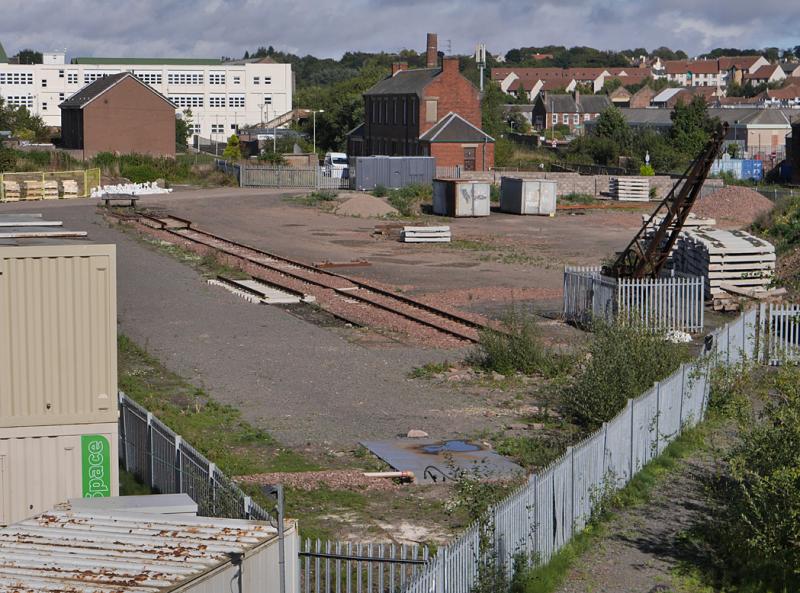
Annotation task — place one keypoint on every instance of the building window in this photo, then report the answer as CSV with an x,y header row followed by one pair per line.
x,y
431,111
217,128
256,80
216,78
44,106
565,118
186,78
469,159
233,127
20,101
185,101
587,117
236,101
267,99
61,74
555,118
576,119
149,77
16,78
61,96
89,77
72,78
216,101
195,128
44,82
267,80
237,79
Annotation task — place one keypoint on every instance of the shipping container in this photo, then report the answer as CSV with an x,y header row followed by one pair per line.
x,y
64,550
368,172
527,196
58,333
461,197
41,466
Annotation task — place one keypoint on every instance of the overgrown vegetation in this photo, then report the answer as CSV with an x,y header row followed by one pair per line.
x,y
140,168
22,123
623,361
409,199
315,198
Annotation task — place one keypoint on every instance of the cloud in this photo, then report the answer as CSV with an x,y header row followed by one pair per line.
x,y
213,28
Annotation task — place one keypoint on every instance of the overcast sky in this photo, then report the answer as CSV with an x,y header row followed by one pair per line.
x,y
328,28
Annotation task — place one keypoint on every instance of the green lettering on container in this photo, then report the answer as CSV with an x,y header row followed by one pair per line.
x,y
96,466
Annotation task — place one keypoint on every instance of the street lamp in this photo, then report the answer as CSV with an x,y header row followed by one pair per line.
x,y
314,117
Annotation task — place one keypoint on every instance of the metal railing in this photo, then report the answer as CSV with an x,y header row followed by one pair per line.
x,y
542,516
347,567
671,303
781,330
166,463
48,185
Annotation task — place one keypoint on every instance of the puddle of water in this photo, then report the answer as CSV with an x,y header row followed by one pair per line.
x,y
449,447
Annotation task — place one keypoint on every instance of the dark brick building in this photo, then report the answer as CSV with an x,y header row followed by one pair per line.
x,y
401,109
121,114
573,111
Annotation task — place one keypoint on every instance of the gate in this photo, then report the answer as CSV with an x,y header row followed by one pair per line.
x,y
292,177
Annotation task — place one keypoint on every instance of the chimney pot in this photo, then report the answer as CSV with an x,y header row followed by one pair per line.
x,y
399,66
432,51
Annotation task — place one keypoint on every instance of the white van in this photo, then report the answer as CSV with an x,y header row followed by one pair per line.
x,y
336,165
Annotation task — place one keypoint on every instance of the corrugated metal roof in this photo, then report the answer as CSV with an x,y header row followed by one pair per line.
x,y
119,553
667,94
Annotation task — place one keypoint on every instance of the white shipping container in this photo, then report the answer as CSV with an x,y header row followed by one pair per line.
x,y
461,197
120,552
58,333
41,466
527,196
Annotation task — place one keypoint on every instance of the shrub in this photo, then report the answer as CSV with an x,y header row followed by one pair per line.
x,y
8,159
139,173
494,193
623,361
104,160
407,199
380,191
517,348
275,158
646,171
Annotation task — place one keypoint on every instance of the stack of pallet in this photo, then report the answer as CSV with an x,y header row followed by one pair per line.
x,y
630,189
69,188
426,234
33,190
725,258
10,191
50,189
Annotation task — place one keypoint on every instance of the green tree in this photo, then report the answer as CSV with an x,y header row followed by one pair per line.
x,y
611,124
233,151
183,127
492,118
29,56
691,126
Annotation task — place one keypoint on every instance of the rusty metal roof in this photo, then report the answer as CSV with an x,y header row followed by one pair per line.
x,y
71,552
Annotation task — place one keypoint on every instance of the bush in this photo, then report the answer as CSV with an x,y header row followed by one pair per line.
x,y
380,191
494,193
8,159
624,360
517,348
646,171
407,199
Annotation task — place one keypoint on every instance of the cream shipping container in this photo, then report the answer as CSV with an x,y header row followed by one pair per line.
x,y
58,370
527,196
120,552
461,197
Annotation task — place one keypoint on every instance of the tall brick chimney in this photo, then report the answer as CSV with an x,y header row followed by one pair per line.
x,y
398,66
433,50
450,65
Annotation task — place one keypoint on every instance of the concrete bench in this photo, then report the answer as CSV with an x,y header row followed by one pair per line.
x,y
131,200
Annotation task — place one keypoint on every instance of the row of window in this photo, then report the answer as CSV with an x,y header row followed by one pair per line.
x,y
19,100
151,78
393,111
16,78
576,118
396,147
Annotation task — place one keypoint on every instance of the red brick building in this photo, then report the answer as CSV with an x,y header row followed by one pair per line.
x,y
401,109
121,114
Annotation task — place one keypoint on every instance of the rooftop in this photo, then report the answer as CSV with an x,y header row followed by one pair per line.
x,y
91,91
149,61
119,552
454,128
405,82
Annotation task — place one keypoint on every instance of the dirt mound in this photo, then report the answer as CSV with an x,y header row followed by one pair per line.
x,y
334,479
364,206
739,205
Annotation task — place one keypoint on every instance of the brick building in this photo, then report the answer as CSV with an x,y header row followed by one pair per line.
x,y
574,111
118,113
401,109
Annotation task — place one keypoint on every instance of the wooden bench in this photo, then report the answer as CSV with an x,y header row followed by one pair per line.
x,y
129,198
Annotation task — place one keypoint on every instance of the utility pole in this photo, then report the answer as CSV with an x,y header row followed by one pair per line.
x,y
480,59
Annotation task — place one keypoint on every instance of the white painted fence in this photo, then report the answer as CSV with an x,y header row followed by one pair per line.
x,y
781,331
671,303
540,517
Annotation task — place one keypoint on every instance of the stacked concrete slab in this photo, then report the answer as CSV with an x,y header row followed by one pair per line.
x,y
630,189
735,258
692,222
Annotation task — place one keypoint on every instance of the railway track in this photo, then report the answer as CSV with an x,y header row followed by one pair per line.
x,y
296,275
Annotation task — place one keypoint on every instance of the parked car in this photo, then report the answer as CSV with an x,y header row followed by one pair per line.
x,y
336,165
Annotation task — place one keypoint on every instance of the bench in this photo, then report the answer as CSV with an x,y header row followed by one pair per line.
x,y
129,198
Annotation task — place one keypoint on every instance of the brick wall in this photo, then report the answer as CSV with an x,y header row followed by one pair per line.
x,y
452,154
452,92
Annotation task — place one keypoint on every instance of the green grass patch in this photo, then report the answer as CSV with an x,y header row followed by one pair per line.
x,y
427,371
409,199
577,198
323,197
130,486
216,430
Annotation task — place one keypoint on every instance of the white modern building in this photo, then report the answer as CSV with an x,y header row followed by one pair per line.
x,y
222,96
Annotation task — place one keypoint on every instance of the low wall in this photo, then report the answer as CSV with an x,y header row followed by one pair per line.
x,y
575,183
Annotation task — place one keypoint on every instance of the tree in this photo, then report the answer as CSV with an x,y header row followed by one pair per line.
x,y
513,56
772,54
611,84
29,56
611,125
492,119
22,123
518,122
183,128
691,126
233,151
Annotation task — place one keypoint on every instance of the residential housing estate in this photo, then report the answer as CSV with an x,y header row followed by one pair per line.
x,y
222,95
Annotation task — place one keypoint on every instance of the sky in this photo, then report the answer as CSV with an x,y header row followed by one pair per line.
x,y
215,28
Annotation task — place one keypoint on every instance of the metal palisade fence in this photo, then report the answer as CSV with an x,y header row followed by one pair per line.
x,y
166,463
540,517
780,325
671,303
316,177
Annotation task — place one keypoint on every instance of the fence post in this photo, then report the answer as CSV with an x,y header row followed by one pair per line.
x,y
630,461
657,385
178,464
123,433
149,449
211,470
571,490
605,448
683,393
247,504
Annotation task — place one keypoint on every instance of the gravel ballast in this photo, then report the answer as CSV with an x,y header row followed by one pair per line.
x,y
733,204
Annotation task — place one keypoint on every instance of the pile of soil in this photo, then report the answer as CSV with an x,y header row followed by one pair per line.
x,y
739,205
334,479
364,206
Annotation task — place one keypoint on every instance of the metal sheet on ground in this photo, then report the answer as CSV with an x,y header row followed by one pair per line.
x,y
417,455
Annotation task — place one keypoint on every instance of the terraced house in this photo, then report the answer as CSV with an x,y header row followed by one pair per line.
x,y
222,95
432,111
